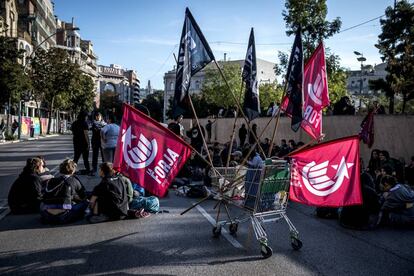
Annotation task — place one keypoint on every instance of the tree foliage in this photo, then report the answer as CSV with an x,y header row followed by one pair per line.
x,y
110,103
155,103
310,15
215,90
13,81
396,45
53,75
269,93
82,94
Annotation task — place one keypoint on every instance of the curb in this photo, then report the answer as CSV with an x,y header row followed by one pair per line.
x,y
29,139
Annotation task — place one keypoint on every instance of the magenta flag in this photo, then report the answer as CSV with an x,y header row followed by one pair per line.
x,y
148,153
316,96
327,174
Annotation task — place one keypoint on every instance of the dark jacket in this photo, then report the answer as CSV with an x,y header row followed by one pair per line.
x,y
112,197
25,194
96,133
63,191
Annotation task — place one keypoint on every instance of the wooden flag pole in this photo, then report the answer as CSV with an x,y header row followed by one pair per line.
x,y
239,107
201,132
233,132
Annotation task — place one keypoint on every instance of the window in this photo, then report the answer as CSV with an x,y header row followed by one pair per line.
x,y
110,87
172,85
197,84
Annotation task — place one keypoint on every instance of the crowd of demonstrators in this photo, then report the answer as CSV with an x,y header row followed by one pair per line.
x,y
196,137
176,126
63,198
344,107
387,193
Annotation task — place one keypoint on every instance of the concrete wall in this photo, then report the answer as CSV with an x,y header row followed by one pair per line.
x,y
392,133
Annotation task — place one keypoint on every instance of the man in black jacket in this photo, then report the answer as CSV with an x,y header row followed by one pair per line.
x,y
97,125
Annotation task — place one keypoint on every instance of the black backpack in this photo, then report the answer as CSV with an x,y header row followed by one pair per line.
x,y
57,192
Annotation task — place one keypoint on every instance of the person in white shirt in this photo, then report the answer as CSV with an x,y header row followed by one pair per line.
x,y
109,138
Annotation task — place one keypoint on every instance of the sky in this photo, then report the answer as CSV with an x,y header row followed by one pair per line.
x,y
143,34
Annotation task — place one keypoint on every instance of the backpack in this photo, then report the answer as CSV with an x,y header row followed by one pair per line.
x,y
57,192
150,204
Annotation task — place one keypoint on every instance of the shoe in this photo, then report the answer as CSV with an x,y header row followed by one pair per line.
x,y
97,219
141,214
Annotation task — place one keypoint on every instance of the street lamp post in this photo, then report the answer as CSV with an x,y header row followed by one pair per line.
x,y
360,58
29,95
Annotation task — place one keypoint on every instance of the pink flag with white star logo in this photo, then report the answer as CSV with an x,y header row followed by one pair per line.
x,y
327,174
148,153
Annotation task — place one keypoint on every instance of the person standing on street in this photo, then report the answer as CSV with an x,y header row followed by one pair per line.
x,y
242,134
208,128
81,139
97,126
109,138
2,129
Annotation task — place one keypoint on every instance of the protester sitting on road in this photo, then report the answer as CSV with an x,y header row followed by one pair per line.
x,y
374,162
64,197
109,138
44,173
362,217
109,199
26,192
397,208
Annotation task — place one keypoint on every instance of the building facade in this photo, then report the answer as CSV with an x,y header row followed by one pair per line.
x,y
358,80
8,18
121,81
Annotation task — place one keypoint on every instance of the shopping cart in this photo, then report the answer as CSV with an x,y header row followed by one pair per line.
x,y
261,193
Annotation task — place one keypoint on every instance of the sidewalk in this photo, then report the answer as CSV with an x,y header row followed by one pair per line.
x,y
4,142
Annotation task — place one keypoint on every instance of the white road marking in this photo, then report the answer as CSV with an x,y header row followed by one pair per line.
x,y
224,232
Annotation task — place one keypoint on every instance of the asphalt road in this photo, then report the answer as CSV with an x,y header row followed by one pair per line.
x,y
171,244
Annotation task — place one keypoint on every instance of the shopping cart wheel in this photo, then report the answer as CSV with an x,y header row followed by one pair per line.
x,y
216,231
266,251
233,228
295,243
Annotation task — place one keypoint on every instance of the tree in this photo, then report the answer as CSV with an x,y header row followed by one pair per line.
x,y
154,102
53,75
82,93
215,90
110,103
396,45
310,15
269,93
13,81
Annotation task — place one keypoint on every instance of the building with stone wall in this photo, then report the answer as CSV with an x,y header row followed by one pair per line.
x,y
121,81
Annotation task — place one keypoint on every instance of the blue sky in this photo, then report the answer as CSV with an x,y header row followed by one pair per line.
x,y
143,34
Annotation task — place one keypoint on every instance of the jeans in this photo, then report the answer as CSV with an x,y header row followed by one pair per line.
x,y
72,215
95,156
85,155
108,154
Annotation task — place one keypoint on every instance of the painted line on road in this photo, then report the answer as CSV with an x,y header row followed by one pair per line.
x,y
224,232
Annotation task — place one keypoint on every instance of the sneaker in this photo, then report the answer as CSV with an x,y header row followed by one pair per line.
x,y
97,219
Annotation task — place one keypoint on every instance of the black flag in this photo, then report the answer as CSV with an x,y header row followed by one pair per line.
x,y
292,103
193,55
251,104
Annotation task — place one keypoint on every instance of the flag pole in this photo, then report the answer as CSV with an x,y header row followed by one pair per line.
x,y
239,107
234,130
201,132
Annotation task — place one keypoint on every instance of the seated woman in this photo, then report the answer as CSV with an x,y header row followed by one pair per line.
x,y
398,203
64,198
44,173
365,216
109,199
26,192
